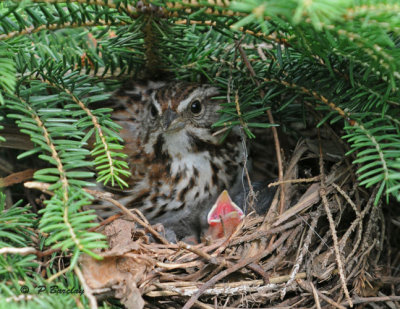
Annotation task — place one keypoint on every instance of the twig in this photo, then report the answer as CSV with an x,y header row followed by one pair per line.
x,y
39,186
347,198
300,180
21,251
137,219
26,251
223,130
87,290
358,221
56,275
306,286
17,177
332,228
105,222
190,288
234,268
362,300
200,253
276,230
300,257
315,294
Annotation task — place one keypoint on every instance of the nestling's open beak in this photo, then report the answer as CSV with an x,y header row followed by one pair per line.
x,y
224,216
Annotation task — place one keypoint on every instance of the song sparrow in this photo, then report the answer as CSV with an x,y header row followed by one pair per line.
x,y
178,166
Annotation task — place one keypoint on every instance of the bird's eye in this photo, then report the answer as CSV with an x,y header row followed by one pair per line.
x,y
196,107
153,111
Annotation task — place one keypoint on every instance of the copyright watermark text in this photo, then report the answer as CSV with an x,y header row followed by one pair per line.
x,y
53,289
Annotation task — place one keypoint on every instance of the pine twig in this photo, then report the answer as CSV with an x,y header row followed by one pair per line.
x,y
325,202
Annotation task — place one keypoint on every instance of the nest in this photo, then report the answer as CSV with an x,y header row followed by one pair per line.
x,y
320,244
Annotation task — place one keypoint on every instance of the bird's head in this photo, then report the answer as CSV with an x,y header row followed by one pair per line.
x,y
183,105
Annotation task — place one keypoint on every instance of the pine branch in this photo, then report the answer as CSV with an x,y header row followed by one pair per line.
x,y
7,73
106,142
61,216
377,143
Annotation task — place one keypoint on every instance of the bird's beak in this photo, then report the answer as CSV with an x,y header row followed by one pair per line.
x,y
224,217
224,207
168,120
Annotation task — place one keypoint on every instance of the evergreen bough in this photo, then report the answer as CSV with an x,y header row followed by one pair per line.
x,y
340,58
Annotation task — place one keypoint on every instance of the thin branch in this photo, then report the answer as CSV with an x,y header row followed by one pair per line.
x,y
325,202
17,177
300,180
137,219
363,300
236,267
51,27
86,288
306,286
21,251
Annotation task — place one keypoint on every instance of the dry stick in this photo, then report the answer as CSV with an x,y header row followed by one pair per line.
x,y
362,300
300,149
230,285
138,220
28,250
360,230
347,198
203,305
259,270
219,289
332,227
306,286
315,294
304,250
105,222
274,131
361,258
206,249
21,251
88,291
17,177
381,242
56,275
336,246
263,234
299,180
234,268
200,253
